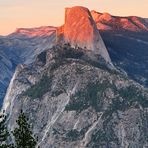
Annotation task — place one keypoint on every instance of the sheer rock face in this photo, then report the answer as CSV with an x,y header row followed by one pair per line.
x,y
79,27
80,31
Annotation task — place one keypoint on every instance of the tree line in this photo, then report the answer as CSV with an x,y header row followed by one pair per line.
x,y
22,134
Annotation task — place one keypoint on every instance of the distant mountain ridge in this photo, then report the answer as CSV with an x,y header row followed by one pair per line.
x,y
106,21
35,32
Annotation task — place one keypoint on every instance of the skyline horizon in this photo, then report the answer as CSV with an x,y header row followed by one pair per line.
x,y
19,14
31,27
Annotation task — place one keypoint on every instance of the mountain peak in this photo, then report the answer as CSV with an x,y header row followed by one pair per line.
x,y
77,8
80,30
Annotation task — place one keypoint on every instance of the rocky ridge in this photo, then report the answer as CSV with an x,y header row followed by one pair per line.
x,y
106,21
73,102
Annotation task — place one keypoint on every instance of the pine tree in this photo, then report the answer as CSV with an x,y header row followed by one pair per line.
x,y
3,131
23,135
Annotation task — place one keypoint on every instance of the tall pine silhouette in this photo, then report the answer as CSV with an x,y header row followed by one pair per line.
x,y
23,135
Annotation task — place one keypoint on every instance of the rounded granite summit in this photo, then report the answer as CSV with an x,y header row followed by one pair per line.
x,y
80,30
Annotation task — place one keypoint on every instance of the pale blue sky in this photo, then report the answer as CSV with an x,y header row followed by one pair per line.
x,y
32,13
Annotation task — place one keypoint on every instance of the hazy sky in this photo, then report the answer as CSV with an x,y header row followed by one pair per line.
x,y
32,13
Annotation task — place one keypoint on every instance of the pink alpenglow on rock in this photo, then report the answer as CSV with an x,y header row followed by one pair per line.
x,y
106,21
81,30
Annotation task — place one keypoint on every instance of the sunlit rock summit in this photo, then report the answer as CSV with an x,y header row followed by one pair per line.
x,y
80,30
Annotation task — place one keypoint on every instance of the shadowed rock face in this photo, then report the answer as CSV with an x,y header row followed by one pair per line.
x,y
80,30
22,46
73,104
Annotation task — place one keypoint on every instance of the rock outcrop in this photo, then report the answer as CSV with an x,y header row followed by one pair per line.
x,y
80,30
72,103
